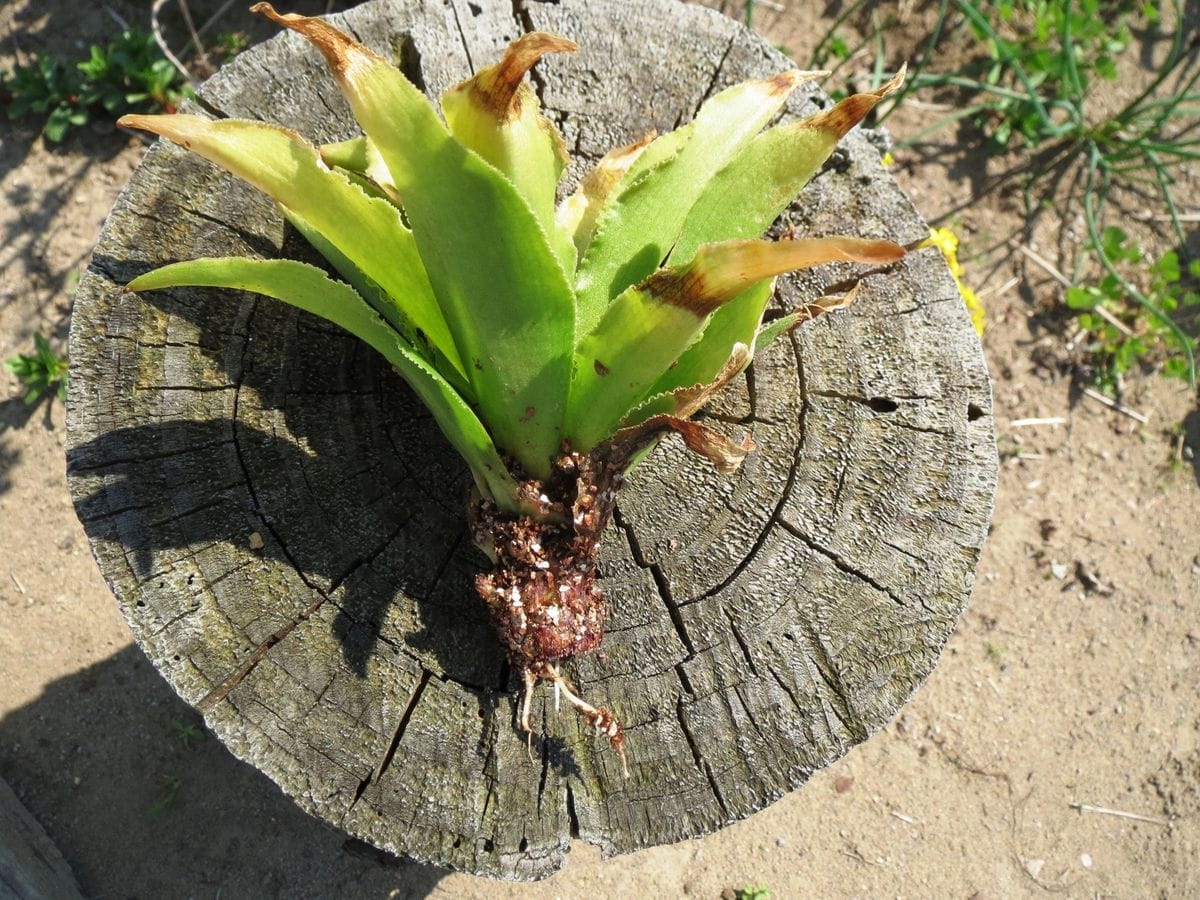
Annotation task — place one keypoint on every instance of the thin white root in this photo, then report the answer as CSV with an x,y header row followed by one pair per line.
x,y
526,703
601,719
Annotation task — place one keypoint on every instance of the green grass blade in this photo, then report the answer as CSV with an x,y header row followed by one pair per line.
x,y
366,230
479,241
642,221
308,288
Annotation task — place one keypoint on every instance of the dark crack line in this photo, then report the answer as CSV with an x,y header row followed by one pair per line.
x,y
525,23
840,563
741,641
462,36
237,445
541,794
716,77
397,735
572,816
193,388
785,495
746,709
787,689
660,581
759,541
222,690
701,763
838,699
112,513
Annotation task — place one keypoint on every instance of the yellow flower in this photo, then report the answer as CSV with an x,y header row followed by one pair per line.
x,y
947,241
888,160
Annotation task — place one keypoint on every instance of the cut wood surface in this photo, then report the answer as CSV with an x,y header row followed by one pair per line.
x,y
284,527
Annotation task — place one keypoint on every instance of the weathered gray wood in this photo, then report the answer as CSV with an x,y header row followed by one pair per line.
x,y
761,624
31,868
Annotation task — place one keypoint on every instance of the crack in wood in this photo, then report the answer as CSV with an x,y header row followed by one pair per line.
x,y
572,816
712,83
660,581
222,690
741,641
397,735
702,764
839,561
462,36
787,689
839,699
759,541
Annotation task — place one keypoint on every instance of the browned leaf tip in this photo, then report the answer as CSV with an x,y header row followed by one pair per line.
x,y
712,445
341,52
521,56
689,400
721,271
849,112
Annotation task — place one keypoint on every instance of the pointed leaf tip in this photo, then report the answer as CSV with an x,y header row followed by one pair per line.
x,y
499,91
849,112
721,271
340,51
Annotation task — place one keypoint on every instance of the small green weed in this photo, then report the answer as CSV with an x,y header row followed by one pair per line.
x,y
1029,83
186,732
752,893
40,373
129,74
229,44
1121,334
169,786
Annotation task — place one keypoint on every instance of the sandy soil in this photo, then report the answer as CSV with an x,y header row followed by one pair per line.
x,y
1070,684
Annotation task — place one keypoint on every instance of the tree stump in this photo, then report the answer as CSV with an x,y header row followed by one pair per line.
x,y
284,527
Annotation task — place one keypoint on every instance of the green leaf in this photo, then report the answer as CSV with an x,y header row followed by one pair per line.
x,y
496,114
1168,268
366,230
308,288
577,213
733,323
382,303
479,241
1083,298
742,201
641,222
645,329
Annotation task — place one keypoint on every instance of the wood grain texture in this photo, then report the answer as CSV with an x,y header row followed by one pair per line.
x,y
760,625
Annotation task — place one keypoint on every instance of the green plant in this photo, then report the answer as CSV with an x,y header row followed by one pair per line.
x,y
1122,334
752,893
127,74
230,43
131,73
49,88
40,373
1032,85
169,786
187,733
553,344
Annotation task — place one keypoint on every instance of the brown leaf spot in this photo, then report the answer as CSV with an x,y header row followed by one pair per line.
x,y
601,368
530,412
